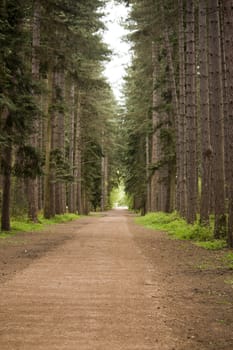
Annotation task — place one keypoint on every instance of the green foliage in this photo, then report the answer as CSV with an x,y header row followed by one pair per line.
x,y
28,162
118,197
24,225
61,165
216,244
57,219
228,259
179,228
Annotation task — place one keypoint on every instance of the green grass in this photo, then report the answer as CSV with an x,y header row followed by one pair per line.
x,y
216,244
178,228
228,259
24,225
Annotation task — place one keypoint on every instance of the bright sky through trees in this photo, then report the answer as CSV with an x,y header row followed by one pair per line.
x,y
116,14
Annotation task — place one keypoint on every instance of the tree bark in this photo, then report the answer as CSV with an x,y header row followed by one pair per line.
x,y
78,157
191,136
228,30
155,142
33,183
206,150
177,174
71,185
6,160
216,118
148,186
104,183
59,142
225,76
6,187
182,121
47,176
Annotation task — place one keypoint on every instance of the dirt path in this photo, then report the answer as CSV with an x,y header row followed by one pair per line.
x,y
106,284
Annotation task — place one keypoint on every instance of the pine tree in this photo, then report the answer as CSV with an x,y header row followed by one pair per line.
x,y
32,184
228,27
206,150
216,118
18,108
191,136
182,127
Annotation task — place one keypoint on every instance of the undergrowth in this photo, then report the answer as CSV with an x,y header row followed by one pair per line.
x,y
178,228
229,260
24,225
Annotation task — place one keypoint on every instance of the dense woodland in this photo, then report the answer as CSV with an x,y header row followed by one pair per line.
x,y
178,121
57,110
64,141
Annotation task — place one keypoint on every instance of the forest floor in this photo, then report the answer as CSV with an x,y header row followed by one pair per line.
x,y
105,283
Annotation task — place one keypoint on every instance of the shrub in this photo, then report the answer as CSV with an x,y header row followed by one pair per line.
x,y
177,227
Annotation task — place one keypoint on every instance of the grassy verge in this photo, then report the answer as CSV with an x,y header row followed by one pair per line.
x,y
229,261
23,225
180,229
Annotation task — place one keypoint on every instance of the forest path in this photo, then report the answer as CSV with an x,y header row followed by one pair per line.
x,y
103,289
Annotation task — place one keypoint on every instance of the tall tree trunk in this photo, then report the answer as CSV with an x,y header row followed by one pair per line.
x,y
206,151
148,188
228,30
6,160
48,136
176,117
43,102
71,131
155,141
191,137
59,143
78,157
177,173
182,120
104,176
104,182
53,121
33,183
216,118
85,201
225,76
6,187
71,185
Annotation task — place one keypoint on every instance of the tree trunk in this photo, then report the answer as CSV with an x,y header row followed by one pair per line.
x,y
47,176
228,30
58,133
6,187
6,160
206,151
148,188
43,102
155,141
78,157
33,183
71,185
191,137
176,117
216,118
182,120
225,76
104,183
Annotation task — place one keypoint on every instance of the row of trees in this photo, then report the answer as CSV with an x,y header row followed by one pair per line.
x,y
178,121
57,110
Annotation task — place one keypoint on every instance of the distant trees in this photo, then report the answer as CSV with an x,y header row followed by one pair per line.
x,y
186,84
55,108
